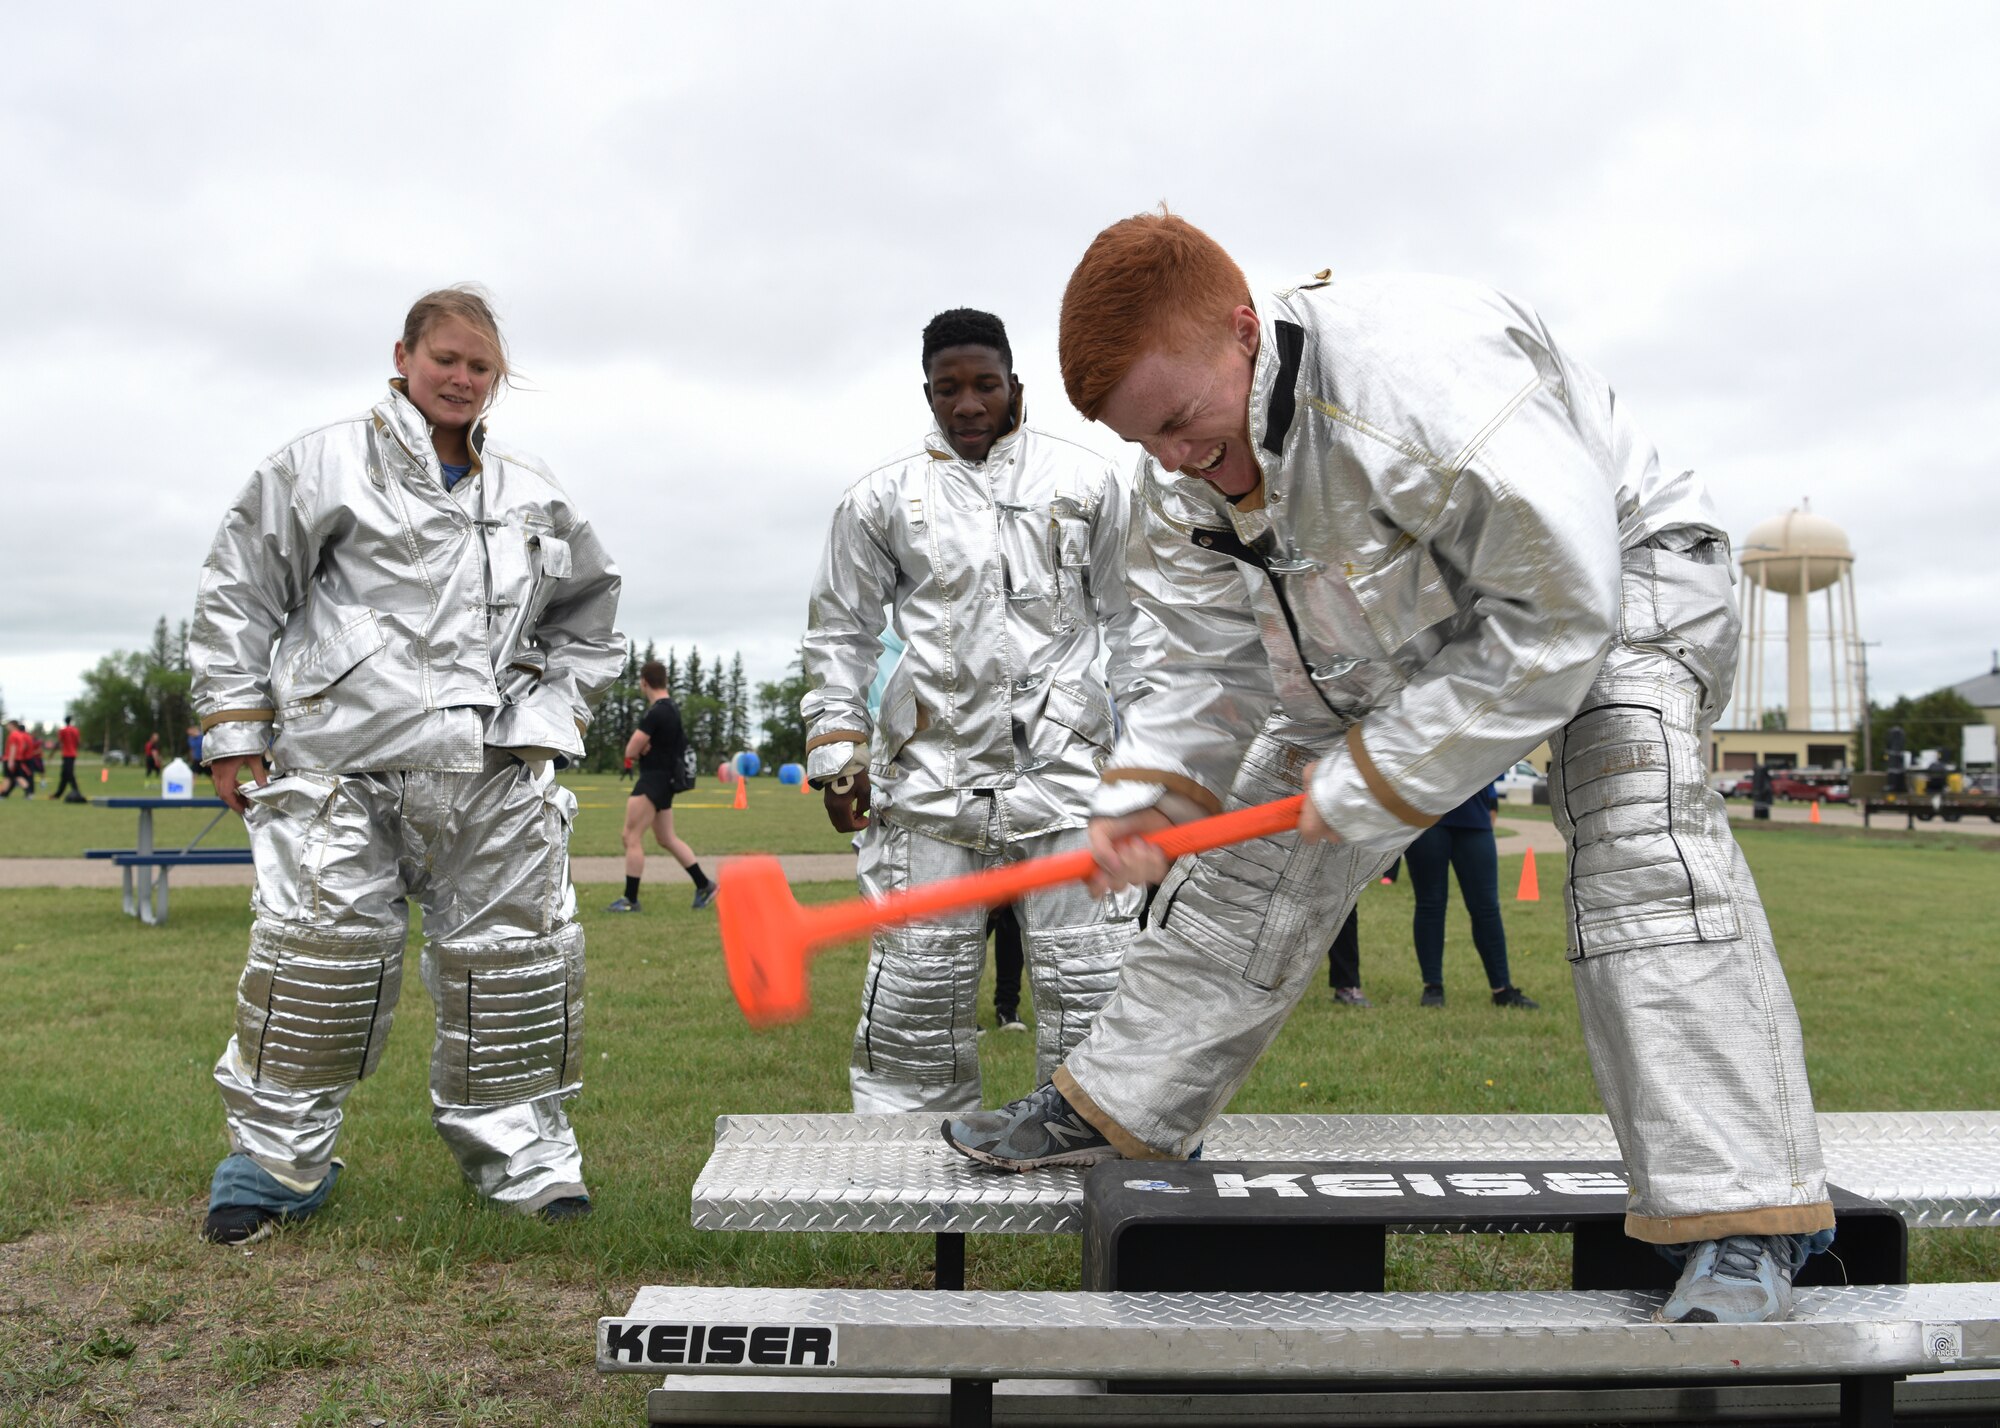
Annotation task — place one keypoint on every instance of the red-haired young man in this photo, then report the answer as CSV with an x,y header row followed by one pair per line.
x,y
1391,537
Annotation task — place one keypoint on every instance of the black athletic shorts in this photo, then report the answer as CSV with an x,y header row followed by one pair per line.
x,y
656,786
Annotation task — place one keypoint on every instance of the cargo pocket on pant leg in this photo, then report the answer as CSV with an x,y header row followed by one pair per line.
x,y
1644,869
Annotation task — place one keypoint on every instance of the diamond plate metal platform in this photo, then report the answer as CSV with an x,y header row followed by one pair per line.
x,y
709,1401
1544,1336
1939,1169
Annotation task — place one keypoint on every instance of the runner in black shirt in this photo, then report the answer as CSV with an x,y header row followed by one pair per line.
x,y
660,747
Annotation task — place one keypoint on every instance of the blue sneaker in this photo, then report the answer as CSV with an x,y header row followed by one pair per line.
x,y
703,896
1037,1130
1741,1279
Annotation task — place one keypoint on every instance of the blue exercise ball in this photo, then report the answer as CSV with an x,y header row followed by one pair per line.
x,y
791,773
748,764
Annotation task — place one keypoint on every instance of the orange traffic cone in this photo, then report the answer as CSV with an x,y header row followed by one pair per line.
x,y
1531,886
104,775
742,793
1815,812
805,787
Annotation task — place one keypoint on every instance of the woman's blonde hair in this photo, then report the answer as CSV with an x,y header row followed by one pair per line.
x,y
469,303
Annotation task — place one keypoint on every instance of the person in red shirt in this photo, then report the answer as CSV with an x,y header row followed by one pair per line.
x,y
68,738
20,755
153,755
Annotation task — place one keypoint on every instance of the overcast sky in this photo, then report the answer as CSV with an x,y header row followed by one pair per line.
x,y
716,232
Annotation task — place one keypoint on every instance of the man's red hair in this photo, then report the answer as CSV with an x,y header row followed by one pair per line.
x,y
1150,281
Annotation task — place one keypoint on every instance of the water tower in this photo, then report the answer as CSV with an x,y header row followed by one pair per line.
x,y
1796,556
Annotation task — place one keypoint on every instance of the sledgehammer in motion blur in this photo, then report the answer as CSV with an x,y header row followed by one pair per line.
x,y
767,937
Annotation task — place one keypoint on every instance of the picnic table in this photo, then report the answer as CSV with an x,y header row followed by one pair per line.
x,y
145,867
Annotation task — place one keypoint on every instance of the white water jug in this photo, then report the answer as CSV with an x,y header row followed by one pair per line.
x,y
177,780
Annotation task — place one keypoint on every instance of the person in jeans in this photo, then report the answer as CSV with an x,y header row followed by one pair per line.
x,y
1462,841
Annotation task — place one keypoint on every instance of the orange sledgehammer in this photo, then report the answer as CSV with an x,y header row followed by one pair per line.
x,y
767,937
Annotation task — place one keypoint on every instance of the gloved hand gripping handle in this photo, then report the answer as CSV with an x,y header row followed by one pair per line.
x,y
767,936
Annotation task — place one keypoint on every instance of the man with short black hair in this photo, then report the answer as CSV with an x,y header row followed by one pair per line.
x,y
666,767
999,552
68,739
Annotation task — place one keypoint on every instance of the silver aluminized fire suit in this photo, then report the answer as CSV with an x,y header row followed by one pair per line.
x,y
1004,578
1461,547
412,656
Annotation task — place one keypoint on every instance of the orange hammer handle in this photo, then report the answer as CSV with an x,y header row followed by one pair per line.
x,y
837,922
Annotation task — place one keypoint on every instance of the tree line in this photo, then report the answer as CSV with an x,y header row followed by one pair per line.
x,y
131,694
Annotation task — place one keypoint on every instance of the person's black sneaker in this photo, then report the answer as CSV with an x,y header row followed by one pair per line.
x,y
703,896
569,1207
238,1224
1433,995
624,904
1512,996
1037,1130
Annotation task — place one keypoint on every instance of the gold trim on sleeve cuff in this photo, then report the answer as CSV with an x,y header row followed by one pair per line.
x,y
1178,783
836,736
238,716
1692,1229
1379,786
1122,1140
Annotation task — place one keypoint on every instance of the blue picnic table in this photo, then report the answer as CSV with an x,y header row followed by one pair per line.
x,y
145,867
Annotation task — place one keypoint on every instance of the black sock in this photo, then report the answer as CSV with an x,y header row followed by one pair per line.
x,y
631,888
693,870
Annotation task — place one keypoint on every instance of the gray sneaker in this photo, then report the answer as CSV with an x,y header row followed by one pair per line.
x,y
1742,1279
624,904
1037,1130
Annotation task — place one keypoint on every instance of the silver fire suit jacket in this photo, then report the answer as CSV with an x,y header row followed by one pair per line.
x,y
1427,579
357,616
1004,578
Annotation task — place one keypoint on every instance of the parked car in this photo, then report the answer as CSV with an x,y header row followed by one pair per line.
x,y
1799,789
1518,784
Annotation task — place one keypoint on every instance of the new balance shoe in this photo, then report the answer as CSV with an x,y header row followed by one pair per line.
x,y
239,1224
1037,1130
1742,1279
624,904
1512,996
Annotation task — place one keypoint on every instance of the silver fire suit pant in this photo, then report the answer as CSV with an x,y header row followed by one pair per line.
x,y
916,1048
1686,1013
486,855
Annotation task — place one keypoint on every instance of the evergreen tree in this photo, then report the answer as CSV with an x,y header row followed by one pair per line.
x,y
739,704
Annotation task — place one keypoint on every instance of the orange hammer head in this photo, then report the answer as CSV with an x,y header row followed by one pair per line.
x,y
763,941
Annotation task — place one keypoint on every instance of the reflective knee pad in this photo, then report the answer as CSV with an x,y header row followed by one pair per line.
x,y
1071,971
1650,848
314,1004
509,1018
919,1005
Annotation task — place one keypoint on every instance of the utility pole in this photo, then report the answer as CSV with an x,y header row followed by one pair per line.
x,y
1867,710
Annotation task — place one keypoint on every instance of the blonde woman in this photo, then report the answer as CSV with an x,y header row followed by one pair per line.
x,y
400,624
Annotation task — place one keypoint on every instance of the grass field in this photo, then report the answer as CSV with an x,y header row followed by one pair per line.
x,y
406,1300
778,819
